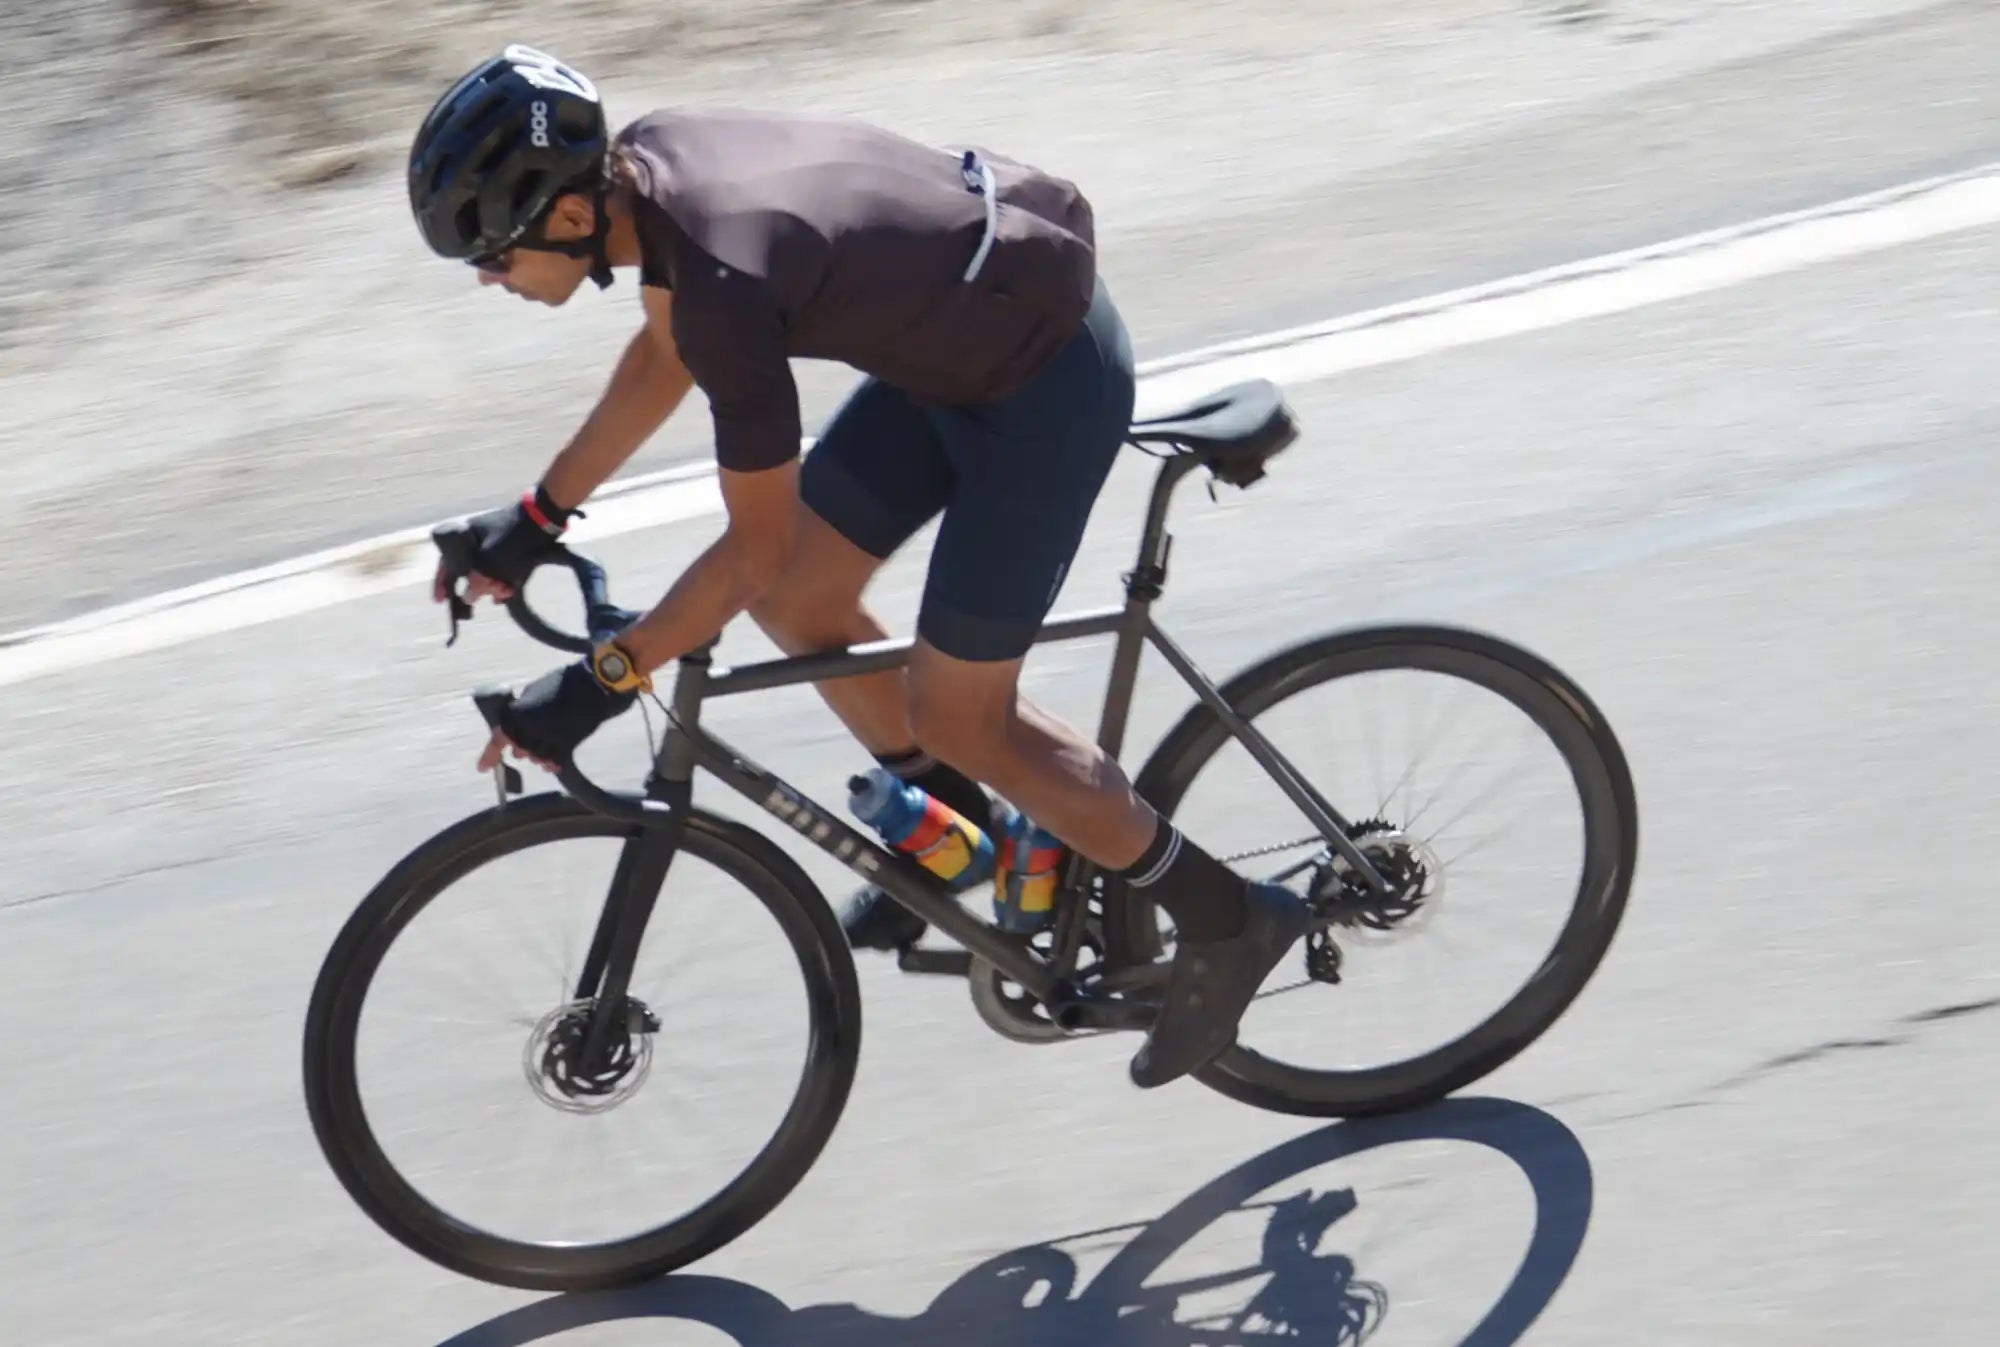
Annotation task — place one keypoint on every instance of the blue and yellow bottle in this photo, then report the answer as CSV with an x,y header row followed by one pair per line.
x,y
1024,874
930,832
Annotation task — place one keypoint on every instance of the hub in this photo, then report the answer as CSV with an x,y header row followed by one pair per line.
x,y
553,1058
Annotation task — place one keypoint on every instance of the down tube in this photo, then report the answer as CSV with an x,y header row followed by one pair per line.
x,y
896,874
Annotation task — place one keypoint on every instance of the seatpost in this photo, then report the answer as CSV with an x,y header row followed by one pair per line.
x,y
1149,577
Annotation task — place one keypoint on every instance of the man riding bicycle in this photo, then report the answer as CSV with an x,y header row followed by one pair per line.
x,y
997,389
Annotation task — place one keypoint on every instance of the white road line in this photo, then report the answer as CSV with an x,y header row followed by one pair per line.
x,y
1531,302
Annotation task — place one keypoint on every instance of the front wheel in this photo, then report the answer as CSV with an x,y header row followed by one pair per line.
x,y
1477,778
444,1032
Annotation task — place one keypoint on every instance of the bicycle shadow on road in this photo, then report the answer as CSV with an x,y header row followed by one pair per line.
x,y
1029,1297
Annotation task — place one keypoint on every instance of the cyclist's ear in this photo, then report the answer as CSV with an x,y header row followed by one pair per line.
x,y
570,219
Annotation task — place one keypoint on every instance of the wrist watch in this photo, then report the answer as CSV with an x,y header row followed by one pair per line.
x,y
615,669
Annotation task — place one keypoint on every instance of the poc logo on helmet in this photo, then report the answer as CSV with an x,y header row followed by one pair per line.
x,y
546,72
538,124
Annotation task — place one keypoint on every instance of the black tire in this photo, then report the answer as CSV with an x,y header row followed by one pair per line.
x,y
340,1123
1597,764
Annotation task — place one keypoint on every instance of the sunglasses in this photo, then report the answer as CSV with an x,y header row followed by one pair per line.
x,y
501,261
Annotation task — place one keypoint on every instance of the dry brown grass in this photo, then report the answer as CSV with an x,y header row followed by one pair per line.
x,y
331,87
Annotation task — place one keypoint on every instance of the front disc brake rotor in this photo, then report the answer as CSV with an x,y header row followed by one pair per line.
x,y
551,1060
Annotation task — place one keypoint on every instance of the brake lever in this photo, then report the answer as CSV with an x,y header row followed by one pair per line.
x,y
493,700
506,781
461,611
454,543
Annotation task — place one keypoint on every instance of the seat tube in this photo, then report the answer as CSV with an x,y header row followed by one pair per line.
x,y
1124,676
1143,584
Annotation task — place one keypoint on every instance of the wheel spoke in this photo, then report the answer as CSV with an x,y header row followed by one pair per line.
x,y
1369,723
1414,985
1417,815
418,1118
1504,778
537,949
417,1017
1484,840
1445,720
1426,741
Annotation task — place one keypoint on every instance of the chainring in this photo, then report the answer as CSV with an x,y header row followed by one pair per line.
x,y
1010,1010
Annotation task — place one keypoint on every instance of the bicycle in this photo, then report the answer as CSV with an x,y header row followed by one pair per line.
x,y
1096,969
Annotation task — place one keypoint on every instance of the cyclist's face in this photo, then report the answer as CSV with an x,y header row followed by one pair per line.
x,y
546,278
536,274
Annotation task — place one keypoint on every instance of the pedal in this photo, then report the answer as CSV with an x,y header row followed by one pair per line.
x,y
946,962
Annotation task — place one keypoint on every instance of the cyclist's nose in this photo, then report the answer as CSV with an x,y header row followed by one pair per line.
x,y
491,278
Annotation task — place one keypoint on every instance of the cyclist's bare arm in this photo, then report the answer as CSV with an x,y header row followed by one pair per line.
x,y
737,568
644,390
735,347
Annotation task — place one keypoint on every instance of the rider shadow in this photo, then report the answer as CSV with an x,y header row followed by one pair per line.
x,y
1029,1297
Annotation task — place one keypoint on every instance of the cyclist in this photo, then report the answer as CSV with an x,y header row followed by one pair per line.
x,y
997,386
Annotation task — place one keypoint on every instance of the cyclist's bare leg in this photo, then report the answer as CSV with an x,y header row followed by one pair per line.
x,y
972,715
817,606
977,722
1231,934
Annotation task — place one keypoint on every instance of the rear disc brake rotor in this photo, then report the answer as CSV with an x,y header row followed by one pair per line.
x,y
1416,887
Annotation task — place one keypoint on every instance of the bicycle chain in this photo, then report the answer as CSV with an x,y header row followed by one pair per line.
x,y
1266,851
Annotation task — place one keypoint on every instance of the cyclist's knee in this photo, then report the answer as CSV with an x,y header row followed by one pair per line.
x,y
816,603
801,617
782,619
965,725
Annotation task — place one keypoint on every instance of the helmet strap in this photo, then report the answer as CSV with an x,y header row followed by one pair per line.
x,y
600,235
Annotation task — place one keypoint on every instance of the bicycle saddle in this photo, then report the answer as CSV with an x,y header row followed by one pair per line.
x,y
1234,429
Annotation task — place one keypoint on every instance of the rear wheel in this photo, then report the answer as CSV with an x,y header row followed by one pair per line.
x,y
441,1043
1354,1023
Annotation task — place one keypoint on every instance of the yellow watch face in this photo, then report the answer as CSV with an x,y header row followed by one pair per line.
x,y
614,669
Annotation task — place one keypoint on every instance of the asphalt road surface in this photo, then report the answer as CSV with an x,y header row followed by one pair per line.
x,y
1755,524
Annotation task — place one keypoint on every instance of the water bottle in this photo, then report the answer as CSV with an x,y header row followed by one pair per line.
x,y
922,827
1024,874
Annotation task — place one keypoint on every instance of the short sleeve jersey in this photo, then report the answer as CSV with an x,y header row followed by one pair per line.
x,y
788,236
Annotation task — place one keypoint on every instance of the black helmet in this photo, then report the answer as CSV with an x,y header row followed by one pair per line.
x,y
499,146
